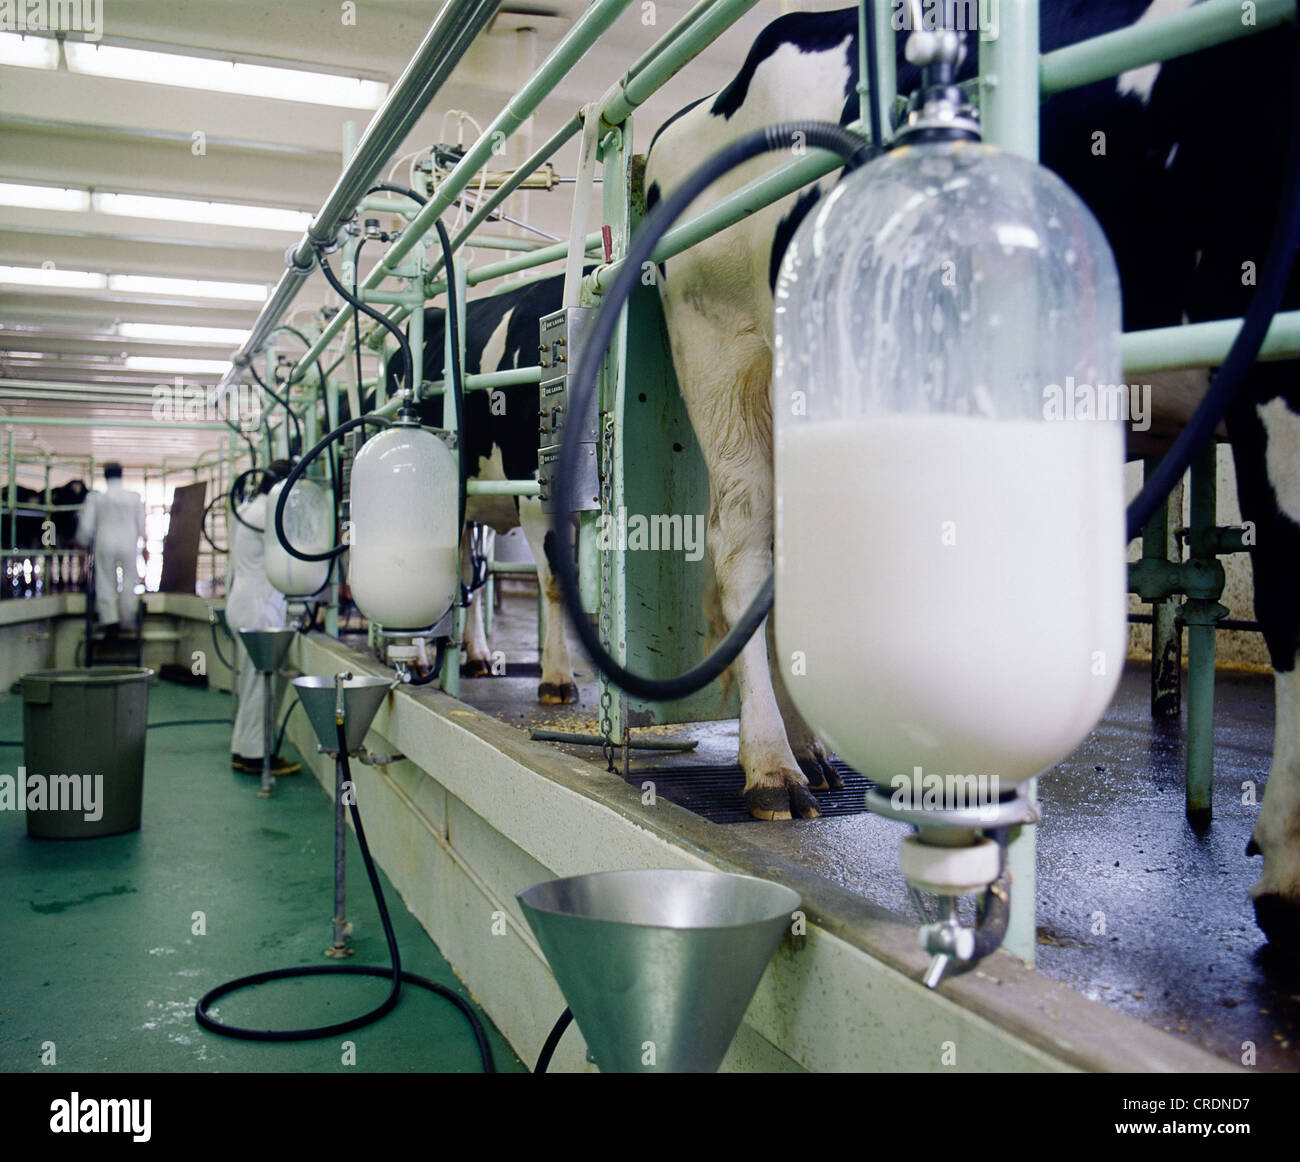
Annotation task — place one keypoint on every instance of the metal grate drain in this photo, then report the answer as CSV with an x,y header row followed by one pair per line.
x,y
716,792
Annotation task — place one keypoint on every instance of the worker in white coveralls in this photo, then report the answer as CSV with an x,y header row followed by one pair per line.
x,y
114,521
254,603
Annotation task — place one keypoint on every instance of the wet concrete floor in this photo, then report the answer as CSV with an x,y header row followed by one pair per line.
x,y
1135,910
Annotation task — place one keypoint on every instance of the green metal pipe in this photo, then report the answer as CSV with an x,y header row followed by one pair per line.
x,y
572,48
528,567
753,196
503,488
690,36
1009,80
382,205
1198,27
552,253
1204,344
1009,112
1200,612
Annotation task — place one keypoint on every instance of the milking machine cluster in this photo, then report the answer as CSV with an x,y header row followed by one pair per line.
x,y
922,308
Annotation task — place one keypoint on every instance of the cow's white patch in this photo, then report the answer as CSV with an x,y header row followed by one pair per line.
x,y
1282,454
494,351
496,511
1279,814
1141,81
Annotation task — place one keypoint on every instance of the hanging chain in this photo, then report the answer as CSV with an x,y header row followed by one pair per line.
x,y
606,587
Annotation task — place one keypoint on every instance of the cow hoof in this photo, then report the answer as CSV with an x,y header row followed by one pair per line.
x,y
1279,919
821,775
475,668
557,693
784,801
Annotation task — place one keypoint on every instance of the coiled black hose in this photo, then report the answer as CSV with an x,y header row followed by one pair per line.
x,y
816,134
395,972
295,474
1245,348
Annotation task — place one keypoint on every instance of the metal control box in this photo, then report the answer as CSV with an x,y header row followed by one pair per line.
x,y
562,337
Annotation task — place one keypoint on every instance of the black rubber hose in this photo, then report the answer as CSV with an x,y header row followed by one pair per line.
x,y
295,474
553,1041
435,669
203,522
1245,348
455,372
216,645
816,134
303,339
873,75
394,972
283,401
235,486
356,318
366,309
284,724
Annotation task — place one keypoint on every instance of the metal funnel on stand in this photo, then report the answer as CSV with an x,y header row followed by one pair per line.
x,y
267,647
658,967
357,700
362,698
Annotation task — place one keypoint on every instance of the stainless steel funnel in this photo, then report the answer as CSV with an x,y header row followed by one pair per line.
x,y
267,647
362,698
658,966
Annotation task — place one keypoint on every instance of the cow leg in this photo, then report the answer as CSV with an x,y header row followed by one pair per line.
x,y
1266,450
478,657
809,750
557,686
732,418
1277,830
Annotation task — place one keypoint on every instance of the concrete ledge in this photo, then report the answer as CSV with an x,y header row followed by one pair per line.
x,y
482,812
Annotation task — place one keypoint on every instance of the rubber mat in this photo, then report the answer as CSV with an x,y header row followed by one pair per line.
x,y
716,792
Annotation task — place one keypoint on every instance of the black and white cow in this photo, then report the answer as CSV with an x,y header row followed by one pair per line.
x,y
501,444
1186,189
29,521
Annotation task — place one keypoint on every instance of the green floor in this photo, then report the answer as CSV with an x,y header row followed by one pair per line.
x,y
99,953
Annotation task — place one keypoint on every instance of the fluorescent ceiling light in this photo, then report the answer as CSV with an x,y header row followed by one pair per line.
x,y
44,197
185,334
187,288
29,52
223,76
209,213
180,366
23,354
48,276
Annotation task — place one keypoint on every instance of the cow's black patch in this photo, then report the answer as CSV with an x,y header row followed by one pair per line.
x,y
785,231
808,32
675,117
511,424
